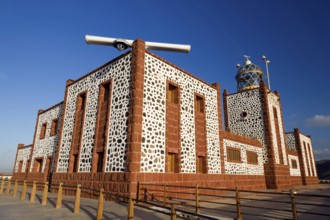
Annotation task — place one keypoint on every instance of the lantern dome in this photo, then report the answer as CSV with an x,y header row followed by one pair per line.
x,y
248,76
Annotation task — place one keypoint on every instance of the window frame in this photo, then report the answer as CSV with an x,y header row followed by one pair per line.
x,y
233,160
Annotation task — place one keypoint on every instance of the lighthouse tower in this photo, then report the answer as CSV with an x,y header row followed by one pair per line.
x,y
255,111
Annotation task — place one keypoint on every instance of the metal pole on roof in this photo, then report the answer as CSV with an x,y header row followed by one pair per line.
x,y
267,62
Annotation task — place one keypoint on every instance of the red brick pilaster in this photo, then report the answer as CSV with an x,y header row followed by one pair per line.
x,y
283,133
135,110
313,158
225,110
269,166
40,111
68,83
300,155
19,146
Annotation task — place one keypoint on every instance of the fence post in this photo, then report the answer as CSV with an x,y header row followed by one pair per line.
x,y
59,196
77,200
45,194
130,215
33,191
15,189
99,215
293,205
8,188
23,193
165,195
2,185
138,192
238,205
173,212
145,192
197,200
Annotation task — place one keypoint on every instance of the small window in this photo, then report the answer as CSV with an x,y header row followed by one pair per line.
x,y
54,127
173,94
106,88
199,104
243,114
171,162
27,166
233,154
43,131
38,165
20,165
100,161
75,163
294,164
275,112
252,157
201,164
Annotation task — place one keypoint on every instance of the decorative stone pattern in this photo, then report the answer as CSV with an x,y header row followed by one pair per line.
x,y
290,141
308,162
154,120
119,72
23,155
47,146
273,101
251,125
294,172
243,168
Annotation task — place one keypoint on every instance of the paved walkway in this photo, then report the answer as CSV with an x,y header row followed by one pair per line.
x,y
14,208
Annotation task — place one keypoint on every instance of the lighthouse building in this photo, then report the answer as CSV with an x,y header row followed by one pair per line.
x,y
140,118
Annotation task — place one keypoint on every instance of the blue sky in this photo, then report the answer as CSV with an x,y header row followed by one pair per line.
x,y
42,45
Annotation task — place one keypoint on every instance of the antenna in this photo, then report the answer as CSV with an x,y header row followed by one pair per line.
x,y
123,44
267,62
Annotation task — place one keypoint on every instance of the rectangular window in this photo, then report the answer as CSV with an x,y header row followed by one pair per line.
x,y
43,131
173,94
199,104
201,164
233,154
27,166
100,161
252,157
294,164
38,165
77,131
171,162
20,165
277,134
54,127
102,124
75,163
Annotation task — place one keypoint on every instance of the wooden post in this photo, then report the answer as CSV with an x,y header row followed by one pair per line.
x,y
2,185
45,194
59,196
15,189
33,191
238,205
23,193
197,200
293,206
145,192
173,212
165,195
77,200
99,215
130,215
8,188
138,192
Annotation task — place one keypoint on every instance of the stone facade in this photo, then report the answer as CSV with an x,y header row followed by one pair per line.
x,y
141,118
